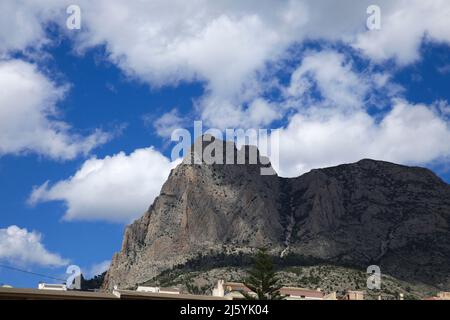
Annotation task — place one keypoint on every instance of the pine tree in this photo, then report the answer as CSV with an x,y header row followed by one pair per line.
x,y
262,279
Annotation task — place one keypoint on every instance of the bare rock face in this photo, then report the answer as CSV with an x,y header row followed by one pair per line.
x,y
369,212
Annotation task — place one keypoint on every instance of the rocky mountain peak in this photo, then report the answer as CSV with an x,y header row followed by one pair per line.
x,y
369,212
209,150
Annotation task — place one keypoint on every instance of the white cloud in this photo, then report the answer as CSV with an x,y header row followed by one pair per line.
x,y
117,188
339,128
409,134
224,114
339,85
329,79
226,44
405,24
165,42
22,23
19,246
27,115
221,43
168,123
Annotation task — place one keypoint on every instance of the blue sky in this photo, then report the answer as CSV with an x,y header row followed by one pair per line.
x,y
85,114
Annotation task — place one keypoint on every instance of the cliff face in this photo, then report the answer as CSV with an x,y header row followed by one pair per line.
x,y
369,212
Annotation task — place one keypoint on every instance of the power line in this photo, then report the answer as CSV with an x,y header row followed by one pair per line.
x,y
30,272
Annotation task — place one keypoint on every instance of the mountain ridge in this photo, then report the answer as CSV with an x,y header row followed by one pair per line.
x,y
368,212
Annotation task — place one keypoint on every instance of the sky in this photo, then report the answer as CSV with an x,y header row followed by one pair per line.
x,y
86,114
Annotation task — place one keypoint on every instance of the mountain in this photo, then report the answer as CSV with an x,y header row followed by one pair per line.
x,y
354,215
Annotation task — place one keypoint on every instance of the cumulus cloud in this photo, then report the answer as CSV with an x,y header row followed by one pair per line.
x,y
224,114
166,42
20,246
329,79
22,23
220,43
405,25
408,133
334,125
224,42
117,188
168,123
227,44
28,115
339,85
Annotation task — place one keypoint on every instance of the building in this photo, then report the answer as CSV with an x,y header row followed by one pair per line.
x,y
231,290
234,290
444,295
292,293
52,286
440,296
136,295
158,290
49,294
145,289
354,295
46,294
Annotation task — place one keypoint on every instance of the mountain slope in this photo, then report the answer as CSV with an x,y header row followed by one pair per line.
x,y
369,212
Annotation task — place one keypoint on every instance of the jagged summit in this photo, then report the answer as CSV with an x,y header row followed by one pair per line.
x,y
369,212
207,149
